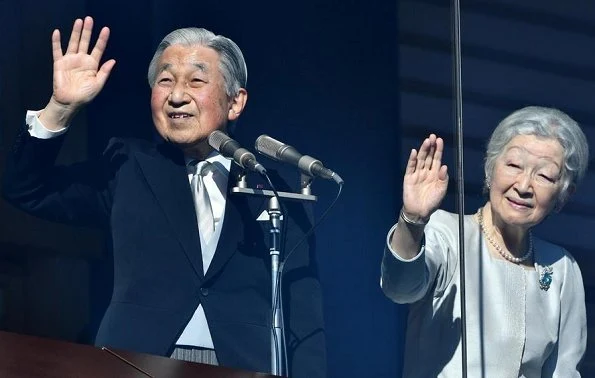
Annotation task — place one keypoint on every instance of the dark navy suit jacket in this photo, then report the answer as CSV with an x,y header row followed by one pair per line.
x,y
139,191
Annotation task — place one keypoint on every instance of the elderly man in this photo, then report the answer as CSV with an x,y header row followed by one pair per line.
x,y
191,277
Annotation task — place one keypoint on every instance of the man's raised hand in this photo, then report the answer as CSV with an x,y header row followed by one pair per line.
x,y
78,75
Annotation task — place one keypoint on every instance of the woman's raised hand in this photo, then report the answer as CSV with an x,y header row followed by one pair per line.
x,y
425,181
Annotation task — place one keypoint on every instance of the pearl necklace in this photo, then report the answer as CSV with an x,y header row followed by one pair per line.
x,y
507,255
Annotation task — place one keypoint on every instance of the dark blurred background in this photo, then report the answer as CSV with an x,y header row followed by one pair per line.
x,y
354,83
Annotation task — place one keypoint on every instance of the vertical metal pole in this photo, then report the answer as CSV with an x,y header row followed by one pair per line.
x,y
277,335
458,116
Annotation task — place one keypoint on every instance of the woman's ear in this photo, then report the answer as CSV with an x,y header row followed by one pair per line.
x,y
560,203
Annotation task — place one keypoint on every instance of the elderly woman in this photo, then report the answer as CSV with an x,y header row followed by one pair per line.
x,y
525,306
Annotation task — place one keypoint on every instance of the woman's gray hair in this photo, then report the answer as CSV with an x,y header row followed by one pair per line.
x,y
231,60
547,123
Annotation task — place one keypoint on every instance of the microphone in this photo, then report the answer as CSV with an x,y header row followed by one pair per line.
x,y
231,149
279,151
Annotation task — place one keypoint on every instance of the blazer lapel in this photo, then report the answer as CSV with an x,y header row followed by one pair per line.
x,y
166,174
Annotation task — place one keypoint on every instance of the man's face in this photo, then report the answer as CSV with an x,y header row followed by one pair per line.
x,y
188,99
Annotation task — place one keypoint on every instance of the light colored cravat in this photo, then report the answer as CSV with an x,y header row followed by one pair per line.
x,y
202,203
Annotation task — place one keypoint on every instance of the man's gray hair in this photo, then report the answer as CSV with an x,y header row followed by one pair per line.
x,y
232,63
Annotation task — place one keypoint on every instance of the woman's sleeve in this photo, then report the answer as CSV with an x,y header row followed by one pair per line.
x,y
564,362
407,281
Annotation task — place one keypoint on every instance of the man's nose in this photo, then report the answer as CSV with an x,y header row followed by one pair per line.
x,y
178,94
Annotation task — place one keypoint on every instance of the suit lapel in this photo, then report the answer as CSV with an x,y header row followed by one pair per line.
x,y
165,172
239,225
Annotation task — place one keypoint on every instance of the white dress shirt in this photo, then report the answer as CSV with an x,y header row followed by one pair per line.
x,y
197,331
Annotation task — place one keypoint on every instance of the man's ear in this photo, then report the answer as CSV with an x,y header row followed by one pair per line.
x,y
237,105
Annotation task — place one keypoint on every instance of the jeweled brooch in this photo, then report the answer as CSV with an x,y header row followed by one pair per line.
x,y
545,277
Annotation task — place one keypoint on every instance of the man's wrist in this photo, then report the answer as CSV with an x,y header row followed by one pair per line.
x,y
56,116
37,129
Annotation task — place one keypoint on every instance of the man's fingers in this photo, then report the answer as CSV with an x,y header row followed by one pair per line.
x,y
105,70
101,43
75,37
83,46
56,45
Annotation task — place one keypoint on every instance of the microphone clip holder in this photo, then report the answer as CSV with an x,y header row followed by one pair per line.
x,y
305,195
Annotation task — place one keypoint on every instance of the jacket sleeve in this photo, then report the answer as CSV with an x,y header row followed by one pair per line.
x,y
78,194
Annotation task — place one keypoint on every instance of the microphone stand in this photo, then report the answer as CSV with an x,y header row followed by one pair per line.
x,y
275,226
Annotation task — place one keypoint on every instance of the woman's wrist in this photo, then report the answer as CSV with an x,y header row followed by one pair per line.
x,y
413,220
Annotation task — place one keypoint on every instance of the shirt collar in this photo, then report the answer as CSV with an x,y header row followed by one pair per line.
x,y
220,162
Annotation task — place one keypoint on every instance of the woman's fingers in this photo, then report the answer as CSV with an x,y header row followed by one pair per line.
x,y
437,158
422,154
432,151
426,163
443,173
411,163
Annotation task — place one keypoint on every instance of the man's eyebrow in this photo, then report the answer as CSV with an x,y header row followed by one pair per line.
x,y
164,67
202,67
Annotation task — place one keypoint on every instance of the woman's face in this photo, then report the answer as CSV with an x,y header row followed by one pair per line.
x,y
526,180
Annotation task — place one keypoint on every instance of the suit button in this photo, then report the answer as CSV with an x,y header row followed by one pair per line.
x,y
204,291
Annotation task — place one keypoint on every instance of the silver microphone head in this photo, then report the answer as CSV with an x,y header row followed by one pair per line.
x,y
268,146
216,139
